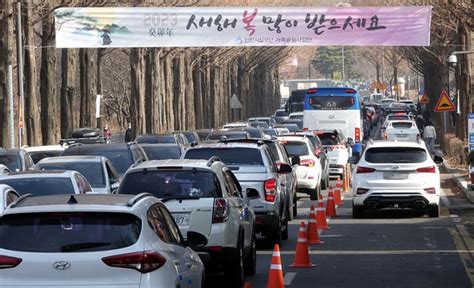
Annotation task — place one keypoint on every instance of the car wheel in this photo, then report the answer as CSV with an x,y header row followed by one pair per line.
x,y
314,194
324,183
289,212
357,211
295,206
274,236
433,211
235,270
250,264
284,233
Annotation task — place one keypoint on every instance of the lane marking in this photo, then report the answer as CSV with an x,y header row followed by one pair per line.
x,y
331,236
289,277
368,252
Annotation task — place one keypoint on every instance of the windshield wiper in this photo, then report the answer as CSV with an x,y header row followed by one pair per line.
x,y
82,246
180,197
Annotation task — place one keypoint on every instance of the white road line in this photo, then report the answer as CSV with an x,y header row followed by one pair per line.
x,y
368,252
289,277
331,236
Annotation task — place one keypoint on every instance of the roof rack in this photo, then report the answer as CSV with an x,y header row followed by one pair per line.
x,y
259,142
22,197
212,160
138,197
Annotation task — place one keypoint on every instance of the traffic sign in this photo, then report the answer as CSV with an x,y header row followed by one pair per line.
x,y
444,104
235,103
425,100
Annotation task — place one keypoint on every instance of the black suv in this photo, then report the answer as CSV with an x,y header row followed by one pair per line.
x,y
122,156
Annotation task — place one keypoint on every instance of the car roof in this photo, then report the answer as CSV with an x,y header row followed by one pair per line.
x,y
391,143
229,144
72,158
39,174
100,147
78,202
188,163
10,151
44,148
159,145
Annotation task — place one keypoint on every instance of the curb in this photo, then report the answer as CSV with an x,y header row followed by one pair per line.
x,y
463,185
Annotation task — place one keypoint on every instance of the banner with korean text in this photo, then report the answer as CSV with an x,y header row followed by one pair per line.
x,y
246,26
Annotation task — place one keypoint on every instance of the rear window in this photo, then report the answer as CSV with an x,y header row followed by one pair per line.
x,y
170,183
296,148
328,139
281,113
37,156
156,139
401,117
401,125
92,171
230,156
395,155
218,136
331,102
161,153
121,158
41,185
11,161
68,232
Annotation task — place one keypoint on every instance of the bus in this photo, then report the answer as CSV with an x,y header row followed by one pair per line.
x,y
335,108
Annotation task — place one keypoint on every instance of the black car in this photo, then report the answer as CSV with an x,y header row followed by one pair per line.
x,y
16,159
162,151
170,138
122,156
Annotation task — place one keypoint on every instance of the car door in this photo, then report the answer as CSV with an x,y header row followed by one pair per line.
x,y
183,258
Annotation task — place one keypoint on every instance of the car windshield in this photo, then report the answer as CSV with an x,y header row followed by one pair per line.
x,y
331,102
37,156
281,113
67,232
161,153
91,170
402,125
231,135
40,185
230,156
328,139
156,139
398,117
171,183
296,148
12,161
396,155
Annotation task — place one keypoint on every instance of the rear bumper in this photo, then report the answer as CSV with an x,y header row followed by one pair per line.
x,y
396,199
307,183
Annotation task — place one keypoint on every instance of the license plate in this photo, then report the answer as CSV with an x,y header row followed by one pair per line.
x,y
402,135
181,219
395,175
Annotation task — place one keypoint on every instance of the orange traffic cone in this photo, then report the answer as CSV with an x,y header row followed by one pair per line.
x,y
275,277
337,194
330,206
312,234
247,285
321,216
302,255
320,196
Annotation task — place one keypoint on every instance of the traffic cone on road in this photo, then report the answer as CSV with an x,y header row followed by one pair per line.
x,y
247,285
312,234
275,277
302,254
330,206
320,196
321,216
337,194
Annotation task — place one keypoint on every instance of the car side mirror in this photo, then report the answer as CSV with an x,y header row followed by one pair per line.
x,y
295,160
195,240
252,193
354,159
438,159
285,169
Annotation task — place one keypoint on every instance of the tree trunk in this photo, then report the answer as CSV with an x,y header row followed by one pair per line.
x,y
6,24
88,83
100,55
32,119
189,92
68,88
49,115
137,85
198,97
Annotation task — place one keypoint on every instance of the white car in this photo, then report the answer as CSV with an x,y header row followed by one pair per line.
x,y
235,125
402,131
7,196
309,171
338,152
203,196
392,174
96,240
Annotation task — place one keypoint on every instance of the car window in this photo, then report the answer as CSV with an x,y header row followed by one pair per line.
x,y
296,148
91,170
68,232
10,197
170,183
158,224
161,153
396,155
41,185
12,161
230,156
37,156
173,228
154,139
231,187
402,125
28,161
328,139
111,170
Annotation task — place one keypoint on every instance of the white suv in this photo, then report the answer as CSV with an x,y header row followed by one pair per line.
x,y
392,174
96,241
203,196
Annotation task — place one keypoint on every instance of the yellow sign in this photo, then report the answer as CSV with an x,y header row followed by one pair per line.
x,y
444,103
425,100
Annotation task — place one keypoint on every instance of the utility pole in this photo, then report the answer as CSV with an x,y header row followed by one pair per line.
x,y
343,68
19,49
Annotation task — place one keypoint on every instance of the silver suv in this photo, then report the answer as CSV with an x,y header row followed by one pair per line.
x,y
254,167
204,196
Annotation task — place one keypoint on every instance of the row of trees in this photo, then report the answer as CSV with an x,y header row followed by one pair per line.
x,y
154,89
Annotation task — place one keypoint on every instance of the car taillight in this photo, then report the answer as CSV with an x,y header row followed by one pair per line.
x,y
431,169
270,190
361,170
361,191
307,162
357,135
7,262
143,262
430,190
311,91
305,129
317,152
221,210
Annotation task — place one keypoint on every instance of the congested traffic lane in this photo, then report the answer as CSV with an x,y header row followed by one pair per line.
x,y
385,249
